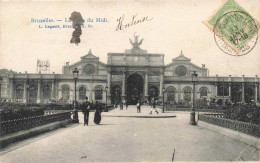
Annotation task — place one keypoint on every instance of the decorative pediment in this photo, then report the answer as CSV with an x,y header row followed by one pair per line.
x,y
181,57
89,55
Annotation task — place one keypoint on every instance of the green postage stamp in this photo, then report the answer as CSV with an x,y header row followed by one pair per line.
x,y
235,30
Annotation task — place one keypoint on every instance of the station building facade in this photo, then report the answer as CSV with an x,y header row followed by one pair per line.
x,y
132,75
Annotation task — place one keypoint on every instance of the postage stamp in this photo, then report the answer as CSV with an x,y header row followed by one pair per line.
x,y
235,30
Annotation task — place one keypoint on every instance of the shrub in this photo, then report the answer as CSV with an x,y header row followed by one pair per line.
x,y
10,111
245,113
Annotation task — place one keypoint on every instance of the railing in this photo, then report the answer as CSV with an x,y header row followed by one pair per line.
x,y
175,108
247,128
7,127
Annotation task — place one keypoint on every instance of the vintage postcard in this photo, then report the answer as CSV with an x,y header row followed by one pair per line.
x,y
129,81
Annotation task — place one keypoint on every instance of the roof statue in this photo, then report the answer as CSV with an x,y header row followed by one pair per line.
x,y
136,44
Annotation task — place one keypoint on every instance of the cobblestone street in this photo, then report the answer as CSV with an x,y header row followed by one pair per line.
x,y
130,139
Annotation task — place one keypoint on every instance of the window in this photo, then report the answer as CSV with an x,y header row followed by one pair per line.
x,y
65,93
223,91
46,91
170,94
187,94
82,93
32,94
89,69
98,93
181,70
19,93
203,92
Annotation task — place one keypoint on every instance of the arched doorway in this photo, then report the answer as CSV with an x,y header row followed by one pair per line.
x,y
249,93
135,86
153,92
116,94
236,93
32,94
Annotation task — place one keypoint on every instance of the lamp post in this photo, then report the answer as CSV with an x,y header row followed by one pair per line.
x,y
1,79
223,103
163,99
192,114
106,97
75,111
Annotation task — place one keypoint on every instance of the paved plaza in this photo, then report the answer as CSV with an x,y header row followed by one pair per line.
x,y
130,139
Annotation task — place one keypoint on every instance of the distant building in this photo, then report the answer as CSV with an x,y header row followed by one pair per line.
x,y
132,75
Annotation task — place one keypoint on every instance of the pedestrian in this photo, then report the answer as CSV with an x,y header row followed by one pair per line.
x,y
121,105
126,104
153,106
97,116
138,105
86,110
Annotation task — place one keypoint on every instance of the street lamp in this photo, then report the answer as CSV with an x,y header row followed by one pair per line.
x,y
163,99
192,114
106,98
75,111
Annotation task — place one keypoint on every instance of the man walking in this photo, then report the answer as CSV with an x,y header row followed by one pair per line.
x,y
153,106
85,110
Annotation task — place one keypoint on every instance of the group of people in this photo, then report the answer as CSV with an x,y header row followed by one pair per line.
x,y
152,103
86,106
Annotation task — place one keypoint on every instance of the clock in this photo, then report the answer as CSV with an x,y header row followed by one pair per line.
x,y
181,70
135,58
89,69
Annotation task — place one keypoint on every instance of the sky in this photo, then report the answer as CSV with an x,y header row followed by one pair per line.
x,y
174,26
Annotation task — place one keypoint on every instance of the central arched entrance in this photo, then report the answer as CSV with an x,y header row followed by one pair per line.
x,y
135,86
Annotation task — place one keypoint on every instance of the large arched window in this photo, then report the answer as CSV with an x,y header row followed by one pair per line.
x,y
46,91
98,93
65,93
19,93
203,92
170,94
82,93
187,94
32,94
223,89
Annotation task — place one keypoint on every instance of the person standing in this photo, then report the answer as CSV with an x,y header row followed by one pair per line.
x,y
126,104
138,106
97,117
86,110
121,105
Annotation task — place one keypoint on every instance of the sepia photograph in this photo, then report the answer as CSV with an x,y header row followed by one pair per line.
x,y
129,81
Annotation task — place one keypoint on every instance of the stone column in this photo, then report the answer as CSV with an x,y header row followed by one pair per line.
x,y
39,92
146,86
229,90
243,92
179,92
161,82
256,88
104,96
123,86
243,88
11,90
52,90
24,92
256,95
109,83
90,94
109,87
216,89
216,85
